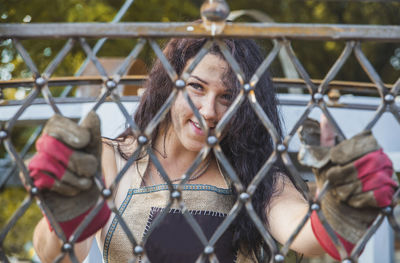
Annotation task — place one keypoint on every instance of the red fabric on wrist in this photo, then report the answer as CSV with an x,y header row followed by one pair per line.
x,y
97,222
325,240
375,172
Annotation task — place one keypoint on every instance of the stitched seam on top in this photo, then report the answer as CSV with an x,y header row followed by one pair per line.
x,y
186,187
114,225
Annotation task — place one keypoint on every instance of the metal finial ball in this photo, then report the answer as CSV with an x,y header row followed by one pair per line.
x,y
34,190
111,84
180,83
142,139
387,210
138,250
208,250
3,134
389,98
212,140
247,87
315,207
67,247
106,193
318,96
244,197
281,148
279,258
214,10
176,194
40,81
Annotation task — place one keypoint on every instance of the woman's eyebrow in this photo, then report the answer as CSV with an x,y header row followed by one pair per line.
x,y
199,79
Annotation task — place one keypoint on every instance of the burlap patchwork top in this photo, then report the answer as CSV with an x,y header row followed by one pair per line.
x,y
173,240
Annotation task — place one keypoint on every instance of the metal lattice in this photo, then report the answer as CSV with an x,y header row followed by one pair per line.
x,y
281,34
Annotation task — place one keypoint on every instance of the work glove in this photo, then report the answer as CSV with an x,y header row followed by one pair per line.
x,y
360,183
68,157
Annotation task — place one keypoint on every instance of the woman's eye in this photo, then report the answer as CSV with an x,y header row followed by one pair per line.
x,y
196,86
227,97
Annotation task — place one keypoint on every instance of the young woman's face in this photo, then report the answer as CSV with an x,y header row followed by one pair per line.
x,y
209,94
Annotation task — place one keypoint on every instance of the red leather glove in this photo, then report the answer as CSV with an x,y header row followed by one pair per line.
x,y
68,157
360,179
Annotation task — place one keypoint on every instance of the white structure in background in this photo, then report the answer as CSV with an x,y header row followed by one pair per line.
x,y
351,121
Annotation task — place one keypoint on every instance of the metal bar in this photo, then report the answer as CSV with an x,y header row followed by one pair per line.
x,y
160,114
92,56
261,227
49,99
99,44
369,69
139,79
334,32
59,58
221,158
366,237
167,66
223,122
121,70
299,67
26,57
132,125
61,81
14,218
332,121
336,67
202,121
265,64
226,117
261,173
26,103
196,60
263,117
232,62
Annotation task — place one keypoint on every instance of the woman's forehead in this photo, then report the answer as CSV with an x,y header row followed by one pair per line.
x,y
209,63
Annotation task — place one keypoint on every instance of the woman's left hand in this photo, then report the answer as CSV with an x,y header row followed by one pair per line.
x,y
359,175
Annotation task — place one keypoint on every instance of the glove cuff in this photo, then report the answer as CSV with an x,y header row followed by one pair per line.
x,y
98,221
325,240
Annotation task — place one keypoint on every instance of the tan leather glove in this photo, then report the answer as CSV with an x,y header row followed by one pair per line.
x,y
64,167
360,179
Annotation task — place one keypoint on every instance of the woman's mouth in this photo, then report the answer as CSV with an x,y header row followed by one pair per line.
x,y
197,128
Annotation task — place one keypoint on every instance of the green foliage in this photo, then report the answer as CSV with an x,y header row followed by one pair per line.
x,y
21,233
317,57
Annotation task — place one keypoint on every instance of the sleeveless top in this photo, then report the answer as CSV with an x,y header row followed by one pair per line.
x,y
173,240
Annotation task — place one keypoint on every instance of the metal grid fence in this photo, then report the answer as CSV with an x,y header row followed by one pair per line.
x,y
146,33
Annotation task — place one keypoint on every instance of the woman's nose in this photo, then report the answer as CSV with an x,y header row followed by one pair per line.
x,y
208,111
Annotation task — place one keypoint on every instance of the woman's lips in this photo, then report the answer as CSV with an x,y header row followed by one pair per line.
x,y
196,127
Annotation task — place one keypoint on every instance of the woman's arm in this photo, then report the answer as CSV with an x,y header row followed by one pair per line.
x,y
285,212
48,246
46,243
288,207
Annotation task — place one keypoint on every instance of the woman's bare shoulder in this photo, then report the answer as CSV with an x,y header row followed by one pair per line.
x,y
108,163
285,192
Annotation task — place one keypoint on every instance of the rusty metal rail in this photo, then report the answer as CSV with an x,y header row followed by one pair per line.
x,y
238,30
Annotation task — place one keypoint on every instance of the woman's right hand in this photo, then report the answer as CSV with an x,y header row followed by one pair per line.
x,y
67,159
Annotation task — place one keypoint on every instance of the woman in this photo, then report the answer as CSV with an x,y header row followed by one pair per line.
x,y
209,195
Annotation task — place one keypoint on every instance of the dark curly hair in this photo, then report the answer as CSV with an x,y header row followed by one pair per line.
x,y
247,144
